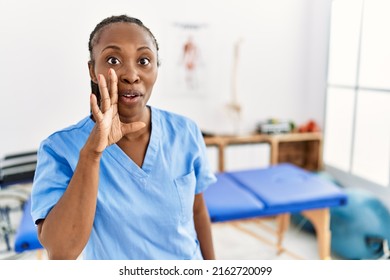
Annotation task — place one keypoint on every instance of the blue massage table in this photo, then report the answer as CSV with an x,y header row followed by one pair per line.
x,y
26,237
278,190
16,173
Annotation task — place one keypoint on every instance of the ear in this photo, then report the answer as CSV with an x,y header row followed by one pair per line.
x,y
92,72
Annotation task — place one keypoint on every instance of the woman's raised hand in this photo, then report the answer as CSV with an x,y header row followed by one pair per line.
x,y
108,128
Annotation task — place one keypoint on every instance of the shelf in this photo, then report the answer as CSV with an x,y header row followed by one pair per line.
x,y
301,149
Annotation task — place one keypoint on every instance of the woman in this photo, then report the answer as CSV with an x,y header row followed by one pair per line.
x,y
127,181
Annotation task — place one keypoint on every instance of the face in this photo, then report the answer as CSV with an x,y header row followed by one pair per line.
x,y
130,51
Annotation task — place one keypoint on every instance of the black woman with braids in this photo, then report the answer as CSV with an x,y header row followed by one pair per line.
x,y
126,181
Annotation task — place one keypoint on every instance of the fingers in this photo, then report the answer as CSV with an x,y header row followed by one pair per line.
x,y
109,93
113,82
132,127
105,102
97,114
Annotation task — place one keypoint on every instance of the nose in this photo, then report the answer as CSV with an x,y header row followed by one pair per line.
x,y
129,74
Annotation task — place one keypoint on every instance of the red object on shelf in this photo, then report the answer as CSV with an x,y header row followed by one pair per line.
x,y
310,126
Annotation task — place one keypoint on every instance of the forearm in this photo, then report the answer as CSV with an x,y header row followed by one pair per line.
x,y
203,228
67,227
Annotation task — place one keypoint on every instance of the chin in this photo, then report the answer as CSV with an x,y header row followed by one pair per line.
x,y
127,113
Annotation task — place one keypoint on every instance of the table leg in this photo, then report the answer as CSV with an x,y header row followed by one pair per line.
x,y
320,218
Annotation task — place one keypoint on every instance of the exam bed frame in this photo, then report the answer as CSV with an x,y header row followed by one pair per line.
x,y
276,191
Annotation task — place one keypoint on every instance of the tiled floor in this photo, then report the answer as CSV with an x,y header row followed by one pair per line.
x,y
257,240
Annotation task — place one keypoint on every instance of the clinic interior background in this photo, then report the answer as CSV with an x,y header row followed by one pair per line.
x,y
281,71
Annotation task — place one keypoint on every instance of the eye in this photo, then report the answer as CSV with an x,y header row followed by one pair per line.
x,y
144,61
113,60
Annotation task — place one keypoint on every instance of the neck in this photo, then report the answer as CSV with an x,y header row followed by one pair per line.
x,y
143,133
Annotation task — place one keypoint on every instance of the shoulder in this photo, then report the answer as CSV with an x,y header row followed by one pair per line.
x,y
74,134
174,121
175,128
83,124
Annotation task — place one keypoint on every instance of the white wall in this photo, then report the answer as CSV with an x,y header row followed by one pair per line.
x,y
45,82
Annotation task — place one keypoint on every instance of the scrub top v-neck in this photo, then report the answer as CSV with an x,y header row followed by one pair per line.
x,y
142,212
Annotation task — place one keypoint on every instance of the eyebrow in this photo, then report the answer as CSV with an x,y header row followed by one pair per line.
x,y
111,47
118,48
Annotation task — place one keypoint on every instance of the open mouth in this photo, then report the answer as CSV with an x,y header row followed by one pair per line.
x,y
130,96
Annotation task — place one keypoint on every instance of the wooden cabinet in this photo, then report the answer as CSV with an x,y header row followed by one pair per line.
x,y
301,149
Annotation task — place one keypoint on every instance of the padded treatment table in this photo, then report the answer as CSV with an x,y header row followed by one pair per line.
x,y
226,200
278,190
26,236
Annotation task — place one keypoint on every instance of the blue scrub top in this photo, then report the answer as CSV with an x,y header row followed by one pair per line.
x,y
141,213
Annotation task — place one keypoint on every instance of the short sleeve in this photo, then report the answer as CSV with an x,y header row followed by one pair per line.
x,y
205,177
52,176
